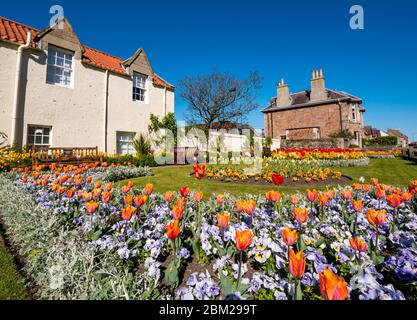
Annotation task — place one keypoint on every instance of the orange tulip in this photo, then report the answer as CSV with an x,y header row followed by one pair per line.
x,y
273,196
297,264
300,214
394,200
250,207
294,200
126,189
199,171
169,196
330,194
88,179
407,196
220,199
181,201
97,193
374,181
356,186
177,212
380,192
198,196
324,199
357,205
130,184
289,236
376,217
358,244
240,205
128,199
347,194
332,287
97,185
172,229
223,220
91,206
70,193
312,195
106,196
243,239
109,187
128,212
140,200
366,187
148,189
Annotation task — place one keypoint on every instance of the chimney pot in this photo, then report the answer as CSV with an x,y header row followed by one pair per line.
x,y
318,89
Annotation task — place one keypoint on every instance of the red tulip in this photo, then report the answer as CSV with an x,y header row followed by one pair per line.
x,y
199,171
277,179
184,191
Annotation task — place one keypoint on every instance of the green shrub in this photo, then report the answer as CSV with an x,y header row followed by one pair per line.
x,y
383,141
353,146
138,161
142,145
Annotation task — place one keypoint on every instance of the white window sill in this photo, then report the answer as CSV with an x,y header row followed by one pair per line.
x,y
59,85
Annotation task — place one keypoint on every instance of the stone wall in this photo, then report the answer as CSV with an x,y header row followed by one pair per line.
x,y
312,144
381,148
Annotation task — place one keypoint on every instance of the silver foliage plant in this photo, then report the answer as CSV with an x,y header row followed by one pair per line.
x,y
113,174
60,262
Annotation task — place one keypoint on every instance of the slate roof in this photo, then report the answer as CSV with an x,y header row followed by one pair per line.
x,y
302,99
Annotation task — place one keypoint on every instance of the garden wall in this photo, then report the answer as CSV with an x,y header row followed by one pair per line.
x,y
381,148
312,144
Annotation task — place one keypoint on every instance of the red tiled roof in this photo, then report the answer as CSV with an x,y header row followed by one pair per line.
x,y
16,32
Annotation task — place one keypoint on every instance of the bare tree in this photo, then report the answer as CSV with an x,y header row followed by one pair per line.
x,y
219,98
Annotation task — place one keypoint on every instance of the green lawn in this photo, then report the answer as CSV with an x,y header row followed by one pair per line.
x,y
390,171
11,282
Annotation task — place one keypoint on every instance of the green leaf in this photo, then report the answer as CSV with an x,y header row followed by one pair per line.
x,y
227,284
319,242
96,235
171,275
377,259
298,291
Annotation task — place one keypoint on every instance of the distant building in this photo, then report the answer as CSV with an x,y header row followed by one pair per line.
x,y
402,138
313,114
370,132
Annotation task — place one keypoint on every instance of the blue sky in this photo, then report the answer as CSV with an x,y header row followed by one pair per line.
x,y
277,38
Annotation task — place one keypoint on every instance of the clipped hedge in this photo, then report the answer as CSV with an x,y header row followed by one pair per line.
x,y
141,161
59,261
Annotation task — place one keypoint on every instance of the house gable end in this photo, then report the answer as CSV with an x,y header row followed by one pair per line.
x,y
139,63
64,37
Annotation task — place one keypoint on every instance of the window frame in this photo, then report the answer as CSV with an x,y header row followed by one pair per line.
x,y
43,135
119,142
145,87
55,65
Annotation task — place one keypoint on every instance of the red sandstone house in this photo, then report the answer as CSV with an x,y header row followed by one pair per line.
x,y
313,114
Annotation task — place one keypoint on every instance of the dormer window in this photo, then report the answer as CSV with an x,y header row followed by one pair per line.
x,y
60,66
139,87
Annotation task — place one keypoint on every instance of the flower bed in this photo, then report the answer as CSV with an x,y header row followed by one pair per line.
x,y
353,243
10,159
293,171
322,154
383,154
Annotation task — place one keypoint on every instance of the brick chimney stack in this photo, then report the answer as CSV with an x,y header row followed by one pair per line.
x,y
318,88
283,94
